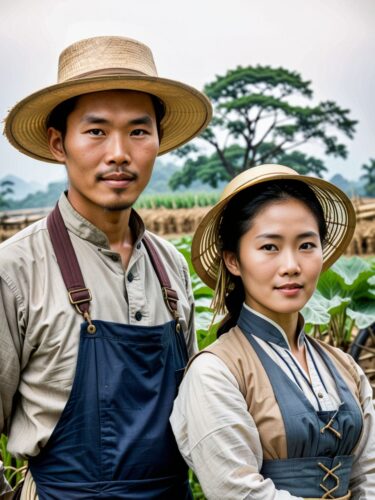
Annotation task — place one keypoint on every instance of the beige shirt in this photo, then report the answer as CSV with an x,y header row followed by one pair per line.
x,y
39,328
218,438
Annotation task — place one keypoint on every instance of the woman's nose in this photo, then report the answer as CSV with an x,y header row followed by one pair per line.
x,y
290,263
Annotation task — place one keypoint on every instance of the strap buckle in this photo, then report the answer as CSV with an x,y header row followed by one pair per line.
x,y
82,300
171,299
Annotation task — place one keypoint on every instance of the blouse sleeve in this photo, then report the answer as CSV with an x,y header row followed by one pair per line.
x,y
217,436
362,480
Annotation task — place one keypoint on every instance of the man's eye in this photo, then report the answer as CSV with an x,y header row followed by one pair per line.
x,y
139,132
96,131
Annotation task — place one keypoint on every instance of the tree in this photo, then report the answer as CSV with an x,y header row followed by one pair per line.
x,y
5,189
259,118
369,177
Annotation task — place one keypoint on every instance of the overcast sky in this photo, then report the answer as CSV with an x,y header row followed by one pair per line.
x,y
330,42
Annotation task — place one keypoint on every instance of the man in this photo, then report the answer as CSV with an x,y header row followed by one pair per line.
x,y
96,312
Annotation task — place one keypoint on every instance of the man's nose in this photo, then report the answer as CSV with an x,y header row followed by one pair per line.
x,y
118,150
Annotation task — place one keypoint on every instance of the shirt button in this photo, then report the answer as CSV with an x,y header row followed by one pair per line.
x,y
130,277
138,246
115,257
138,315
320,395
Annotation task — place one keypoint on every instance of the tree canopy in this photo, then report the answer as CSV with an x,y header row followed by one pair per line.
x,y
261,116
369,177
5,189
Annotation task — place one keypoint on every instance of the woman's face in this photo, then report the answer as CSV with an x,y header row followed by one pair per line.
x,y
280,259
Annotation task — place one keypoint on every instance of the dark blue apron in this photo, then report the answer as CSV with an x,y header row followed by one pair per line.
x,y
113,439
319,443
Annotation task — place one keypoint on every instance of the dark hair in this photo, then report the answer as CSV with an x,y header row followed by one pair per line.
x,y
59,115
236,221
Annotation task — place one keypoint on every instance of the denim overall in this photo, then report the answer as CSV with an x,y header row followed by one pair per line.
x,y
113,439
319,443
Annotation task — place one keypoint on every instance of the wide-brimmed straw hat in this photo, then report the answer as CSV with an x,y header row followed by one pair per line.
x,y
107,63
338,211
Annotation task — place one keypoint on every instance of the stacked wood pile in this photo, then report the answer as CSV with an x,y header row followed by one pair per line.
x,y
363,241
178,222
13,221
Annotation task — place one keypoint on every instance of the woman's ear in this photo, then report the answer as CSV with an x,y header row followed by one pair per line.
x,y
56,144
231,262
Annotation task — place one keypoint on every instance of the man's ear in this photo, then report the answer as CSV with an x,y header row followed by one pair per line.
x,y
231,262
56,144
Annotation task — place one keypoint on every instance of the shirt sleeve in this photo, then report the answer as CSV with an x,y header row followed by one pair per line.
x,y
217,436
9,357
362,480
10,353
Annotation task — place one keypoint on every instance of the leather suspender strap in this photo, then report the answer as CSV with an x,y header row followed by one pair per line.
x,y
170,296
79,295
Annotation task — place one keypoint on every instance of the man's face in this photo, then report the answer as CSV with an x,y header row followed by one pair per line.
x,y
109,150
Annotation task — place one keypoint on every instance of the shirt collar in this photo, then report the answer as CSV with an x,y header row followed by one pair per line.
x,y
81,227
259,325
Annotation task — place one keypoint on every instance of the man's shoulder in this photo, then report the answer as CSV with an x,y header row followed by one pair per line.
x,y
28,240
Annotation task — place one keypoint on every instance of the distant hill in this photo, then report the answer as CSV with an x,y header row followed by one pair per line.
x,y
351,188
20,187
37,197
162,173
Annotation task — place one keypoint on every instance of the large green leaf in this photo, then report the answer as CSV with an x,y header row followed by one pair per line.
x,y
352,270
316,310
329,285
364,313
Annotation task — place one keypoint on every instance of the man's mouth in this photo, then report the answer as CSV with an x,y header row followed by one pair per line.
x,y
117,179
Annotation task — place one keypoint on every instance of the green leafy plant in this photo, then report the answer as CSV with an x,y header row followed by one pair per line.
x,y
343,303
14,468
177,200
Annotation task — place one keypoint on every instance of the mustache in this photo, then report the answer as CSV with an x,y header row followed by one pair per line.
x,y
120,172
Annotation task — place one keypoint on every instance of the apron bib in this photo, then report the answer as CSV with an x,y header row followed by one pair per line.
x,y
319,443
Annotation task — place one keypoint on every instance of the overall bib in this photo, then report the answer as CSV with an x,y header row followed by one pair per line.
x,y
319,443
113,439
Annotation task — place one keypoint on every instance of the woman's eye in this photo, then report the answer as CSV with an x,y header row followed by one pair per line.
x,y
269,247
308,245
96,131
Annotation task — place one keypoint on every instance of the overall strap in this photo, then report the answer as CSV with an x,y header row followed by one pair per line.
x,y
170,296
79,294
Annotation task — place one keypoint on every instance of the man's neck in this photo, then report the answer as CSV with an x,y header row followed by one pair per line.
x,y
114,224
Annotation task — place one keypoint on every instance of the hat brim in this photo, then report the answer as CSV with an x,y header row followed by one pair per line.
x,y
187,111
338,211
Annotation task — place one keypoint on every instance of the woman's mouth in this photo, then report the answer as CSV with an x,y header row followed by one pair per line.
x,y
289,289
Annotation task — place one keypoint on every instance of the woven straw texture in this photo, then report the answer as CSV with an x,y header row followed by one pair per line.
x,y
338,210
107,63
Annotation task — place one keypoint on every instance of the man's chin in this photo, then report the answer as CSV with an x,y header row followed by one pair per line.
x,y
118,207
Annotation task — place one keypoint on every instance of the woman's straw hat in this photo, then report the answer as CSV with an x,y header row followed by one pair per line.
x,y
107,63
338,210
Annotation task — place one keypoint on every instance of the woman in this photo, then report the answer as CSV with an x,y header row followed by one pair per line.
x,y
267,412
